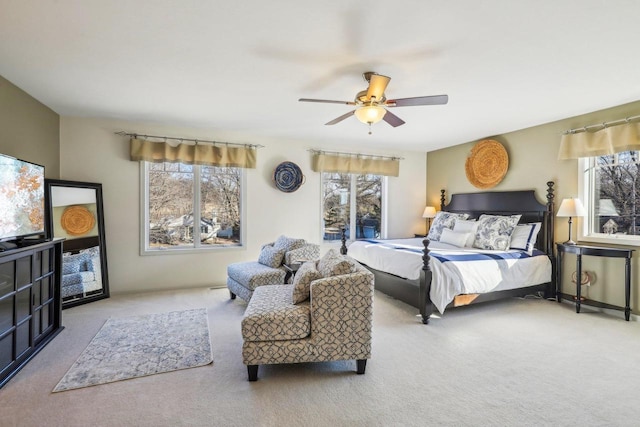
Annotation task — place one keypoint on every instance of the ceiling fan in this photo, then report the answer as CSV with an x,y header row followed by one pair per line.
x,y
371,102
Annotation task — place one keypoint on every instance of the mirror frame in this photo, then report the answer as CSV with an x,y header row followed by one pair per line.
x,y
77,244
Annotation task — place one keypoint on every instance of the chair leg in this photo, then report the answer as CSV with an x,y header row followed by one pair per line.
x,y
253,372
233,296
361,364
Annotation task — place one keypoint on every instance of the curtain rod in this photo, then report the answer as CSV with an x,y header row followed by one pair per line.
x,y
355,154
136,135
601,125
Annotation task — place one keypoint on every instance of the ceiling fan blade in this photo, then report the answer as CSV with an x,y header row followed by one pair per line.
x,y
341,118
392,119
327,101
418,100
377,86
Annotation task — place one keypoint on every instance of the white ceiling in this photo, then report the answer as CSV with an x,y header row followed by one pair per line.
x,y
237,68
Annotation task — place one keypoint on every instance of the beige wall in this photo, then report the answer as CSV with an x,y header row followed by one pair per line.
x,y
90,151
533,161
29,130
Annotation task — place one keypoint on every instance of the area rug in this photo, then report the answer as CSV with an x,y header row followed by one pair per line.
x,y
137,346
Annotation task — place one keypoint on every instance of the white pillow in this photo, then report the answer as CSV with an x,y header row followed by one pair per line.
x,y
524,237
443,220
453,238
467,226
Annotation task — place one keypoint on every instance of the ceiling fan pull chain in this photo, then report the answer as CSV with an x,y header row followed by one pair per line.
x,y
369,128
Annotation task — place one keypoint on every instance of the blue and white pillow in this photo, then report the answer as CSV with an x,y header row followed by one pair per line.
x,y
443,220
524,237
494,231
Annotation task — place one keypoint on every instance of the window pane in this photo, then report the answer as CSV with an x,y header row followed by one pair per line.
x,y
616,194
337,205
368,206
336,202
220,205
170,205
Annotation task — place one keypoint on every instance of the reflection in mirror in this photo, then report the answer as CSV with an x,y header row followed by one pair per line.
x,y
75,213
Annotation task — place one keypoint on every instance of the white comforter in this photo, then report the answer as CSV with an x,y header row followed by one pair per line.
x,y
462,275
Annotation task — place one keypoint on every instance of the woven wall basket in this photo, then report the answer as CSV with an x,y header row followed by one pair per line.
x,y
487,164
77,220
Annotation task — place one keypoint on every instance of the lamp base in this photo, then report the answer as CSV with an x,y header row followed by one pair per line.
x,y
569,242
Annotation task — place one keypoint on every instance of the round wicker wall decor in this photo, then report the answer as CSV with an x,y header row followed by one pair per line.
x,y
487,164
77,220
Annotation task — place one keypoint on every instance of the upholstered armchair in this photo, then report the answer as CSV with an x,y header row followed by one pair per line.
x,y
244,277
81,272
325,315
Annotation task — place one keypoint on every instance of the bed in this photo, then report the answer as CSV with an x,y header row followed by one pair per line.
x,y
407,272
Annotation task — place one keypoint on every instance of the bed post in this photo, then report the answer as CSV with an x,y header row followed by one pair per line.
x,y
442,199
425,306
343,248
551,290
550,213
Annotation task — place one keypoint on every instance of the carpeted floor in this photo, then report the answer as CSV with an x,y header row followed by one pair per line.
x,y
136,346
511,363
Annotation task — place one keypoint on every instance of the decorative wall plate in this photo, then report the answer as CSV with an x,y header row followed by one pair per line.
x,y
77,220
288,177
487,164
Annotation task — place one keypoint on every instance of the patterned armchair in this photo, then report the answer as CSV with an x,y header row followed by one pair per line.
x,y
244,277
325,315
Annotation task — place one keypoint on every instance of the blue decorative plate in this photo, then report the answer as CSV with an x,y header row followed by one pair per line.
x,y
288,177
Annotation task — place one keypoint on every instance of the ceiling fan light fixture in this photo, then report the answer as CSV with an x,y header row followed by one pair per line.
x,y
370,114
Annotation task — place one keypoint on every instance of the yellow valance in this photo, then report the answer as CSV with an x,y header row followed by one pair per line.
x,y
609,140
352,163
194,154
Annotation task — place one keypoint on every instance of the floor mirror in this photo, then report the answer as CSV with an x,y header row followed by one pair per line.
x,y
74,212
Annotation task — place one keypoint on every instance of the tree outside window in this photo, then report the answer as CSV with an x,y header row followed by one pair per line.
x,y
362,213
192,206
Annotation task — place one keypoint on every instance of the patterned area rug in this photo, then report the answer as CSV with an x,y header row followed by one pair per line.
x,y
137,346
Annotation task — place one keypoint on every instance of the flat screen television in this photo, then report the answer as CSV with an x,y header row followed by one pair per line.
x,y
21,199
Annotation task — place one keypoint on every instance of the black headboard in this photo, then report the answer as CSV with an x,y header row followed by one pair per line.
x,y
523,203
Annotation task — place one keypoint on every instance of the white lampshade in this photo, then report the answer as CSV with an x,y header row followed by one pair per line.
x,y
571,207
370,114
429,212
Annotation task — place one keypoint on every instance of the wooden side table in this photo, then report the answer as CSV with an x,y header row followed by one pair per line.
x,y
600,251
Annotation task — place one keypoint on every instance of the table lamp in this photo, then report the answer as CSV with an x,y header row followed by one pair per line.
x,y
429,212
570,208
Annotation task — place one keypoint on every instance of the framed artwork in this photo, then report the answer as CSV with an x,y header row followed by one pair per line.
x,y
74,212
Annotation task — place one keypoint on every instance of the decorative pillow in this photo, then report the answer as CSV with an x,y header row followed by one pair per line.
x,y
271,257
288,243
453,238
306,274
74,263
443,220
333,264
494,231
524,237
467,226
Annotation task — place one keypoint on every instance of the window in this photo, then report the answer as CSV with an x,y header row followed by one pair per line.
x,y
363,213
190,207
611,189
